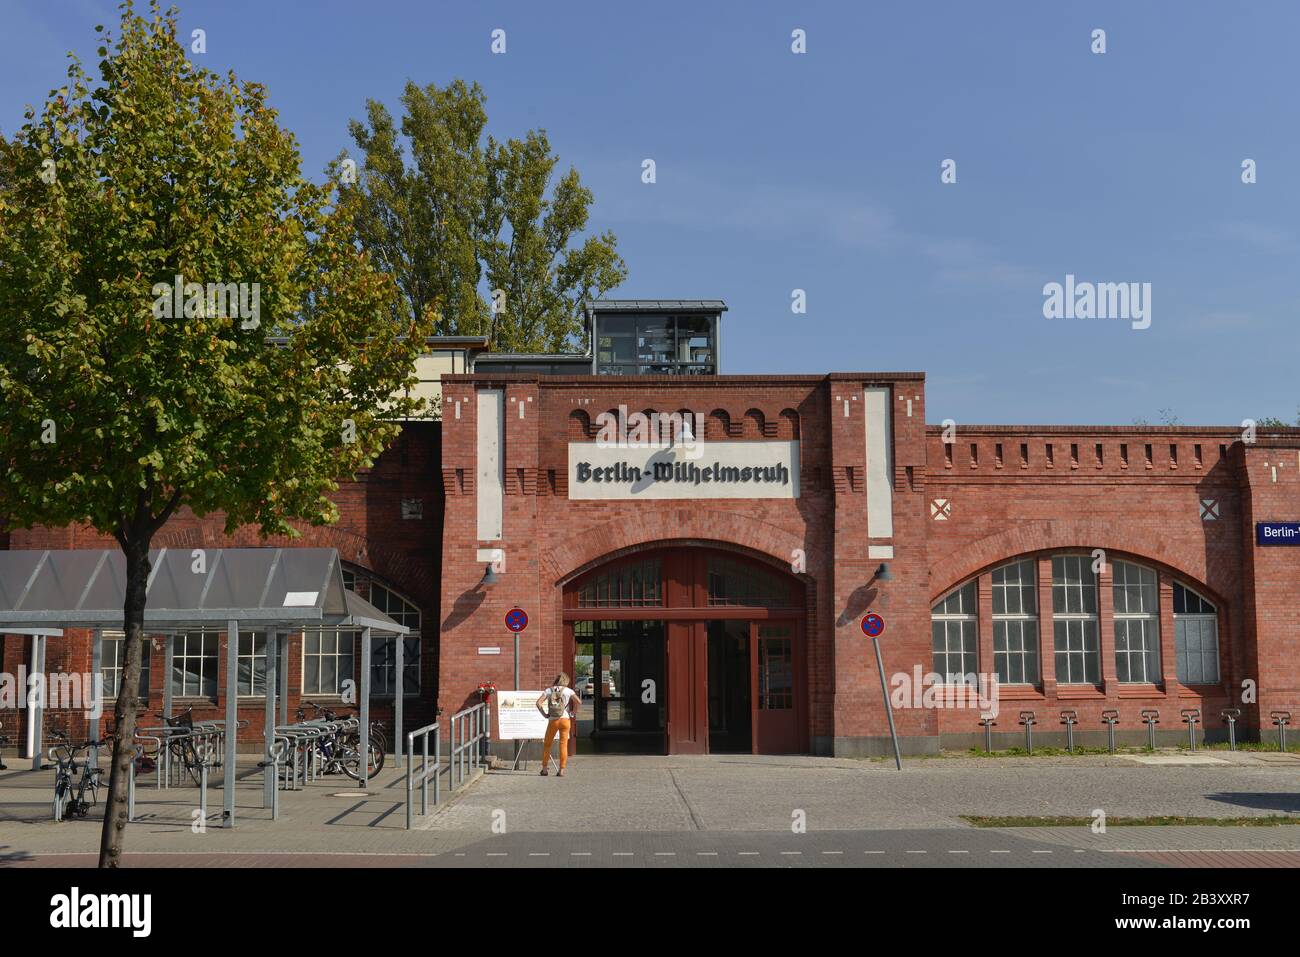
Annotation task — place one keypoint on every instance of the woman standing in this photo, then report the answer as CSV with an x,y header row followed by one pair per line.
x,y
559,705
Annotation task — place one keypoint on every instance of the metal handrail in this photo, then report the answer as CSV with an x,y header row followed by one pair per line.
x,y
425,771
463,757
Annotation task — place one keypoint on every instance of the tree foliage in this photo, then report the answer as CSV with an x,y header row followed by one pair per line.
x,y
119,408
459,219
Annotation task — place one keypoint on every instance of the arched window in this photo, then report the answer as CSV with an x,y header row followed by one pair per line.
x,y
1196,637
1137,623
732,582
329,656
1074,620
954,630
630,585
1015,623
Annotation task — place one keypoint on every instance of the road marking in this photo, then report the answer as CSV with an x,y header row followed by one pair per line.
x,y
539,853
917,852
999,852
494,854
873,852
792,853
959,852
624,854
747,853
706,853
1042,852
665,853
832,852
580,853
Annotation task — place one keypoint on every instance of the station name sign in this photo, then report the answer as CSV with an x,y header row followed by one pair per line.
x,y
706,470
1277,533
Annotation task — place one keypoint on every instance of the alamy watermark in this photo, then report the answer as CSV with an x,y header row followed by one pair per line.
x,y
1126,301
56,690
224,300
929,691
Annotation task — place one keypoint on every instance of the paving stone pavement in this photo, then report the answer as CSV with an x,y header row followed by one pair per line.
x,y
701,811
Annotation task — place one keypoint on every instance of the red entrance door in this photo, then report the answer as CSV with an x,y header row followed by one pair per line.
x,y
688,700
776,684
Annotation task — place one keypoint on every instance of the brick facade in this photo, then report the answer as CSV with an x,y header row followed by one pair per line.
x,y
1181,501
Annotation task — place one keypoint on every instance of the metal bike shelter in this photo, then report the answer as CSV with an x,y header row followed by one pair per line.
x,y
271,590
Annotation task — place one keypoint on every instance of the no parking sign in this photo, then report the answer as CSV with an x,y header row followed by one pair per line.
x,y
516,620
873,626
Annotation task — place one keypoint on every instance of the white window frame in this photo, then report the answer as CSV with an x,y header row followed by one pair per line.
x,y
1200,619
341,636
1146,621
117,641
181,654
1076,623
258,637
967,631
1020,622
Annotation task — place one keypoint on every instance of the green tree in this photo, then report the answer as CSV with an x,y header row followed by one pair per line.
x,y
473,230
118,409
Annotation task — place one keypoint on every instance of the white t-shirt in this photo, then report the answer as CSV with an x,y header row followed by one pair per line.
x,y
567,694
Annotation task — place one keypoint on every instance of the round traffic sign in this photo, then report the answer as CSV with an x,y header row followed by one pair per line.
x,y
873,625
516,619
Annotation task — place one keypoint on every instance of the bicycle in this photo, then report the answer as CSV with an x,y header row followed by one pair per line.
x,y
181,747
340,750
66,804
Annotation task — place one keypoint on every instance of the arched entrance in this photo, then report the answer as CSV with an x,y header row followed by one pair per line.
x,y
688,650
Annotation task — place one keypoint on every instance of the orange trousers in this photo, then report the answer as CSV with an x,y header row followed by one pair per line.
x,y
562,726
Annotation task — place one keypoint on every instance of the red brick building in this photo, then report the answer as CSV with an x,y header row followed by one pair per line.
x,y
707,593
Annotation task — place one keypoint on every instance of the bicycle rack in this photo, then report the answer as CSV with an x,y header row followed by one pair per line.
x,y
1230,715
1028,718
1190,717
1110,717
1281,719
986,719
1068,718
1152,717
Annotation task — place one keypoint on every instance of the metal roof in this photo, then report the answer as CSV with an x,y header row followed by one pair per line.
x,y
657,305
85,588
575,357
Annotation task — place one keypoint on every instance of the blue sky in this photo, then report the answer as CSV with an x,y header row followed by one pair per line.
x,y
820,171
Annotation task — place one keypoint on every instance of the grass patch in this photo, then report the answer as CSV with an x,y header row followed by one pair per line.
x,y
1048,752
1272,820
1292,746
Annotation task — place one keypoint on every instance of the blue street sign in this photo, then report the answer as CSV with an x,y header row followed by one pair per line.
x,y
873,625
1277,533
516,619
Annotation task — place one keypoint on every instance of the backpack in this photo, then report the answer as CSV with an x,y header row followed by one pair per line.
x,y
555,703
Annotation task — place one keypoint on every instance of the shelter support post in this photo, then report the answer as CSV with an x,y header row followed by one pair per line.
x,y
36,704
169,655
399,643
232,720
268,733
97,682
365,709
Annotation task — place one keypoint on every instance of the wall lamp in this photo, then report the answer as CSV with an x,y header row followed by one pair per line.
x,y
883,574
490,576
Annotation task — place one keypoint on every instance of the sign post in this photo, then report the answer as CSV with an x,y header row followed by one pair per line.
x,y
873,626
516,621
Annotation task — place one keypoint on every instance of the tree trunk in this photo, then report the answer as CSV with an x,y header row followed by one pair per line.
x,y
136,549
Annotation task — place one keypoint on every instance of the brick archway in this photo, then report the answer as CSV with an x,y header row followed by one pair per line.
x,y
578,552
1033,537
